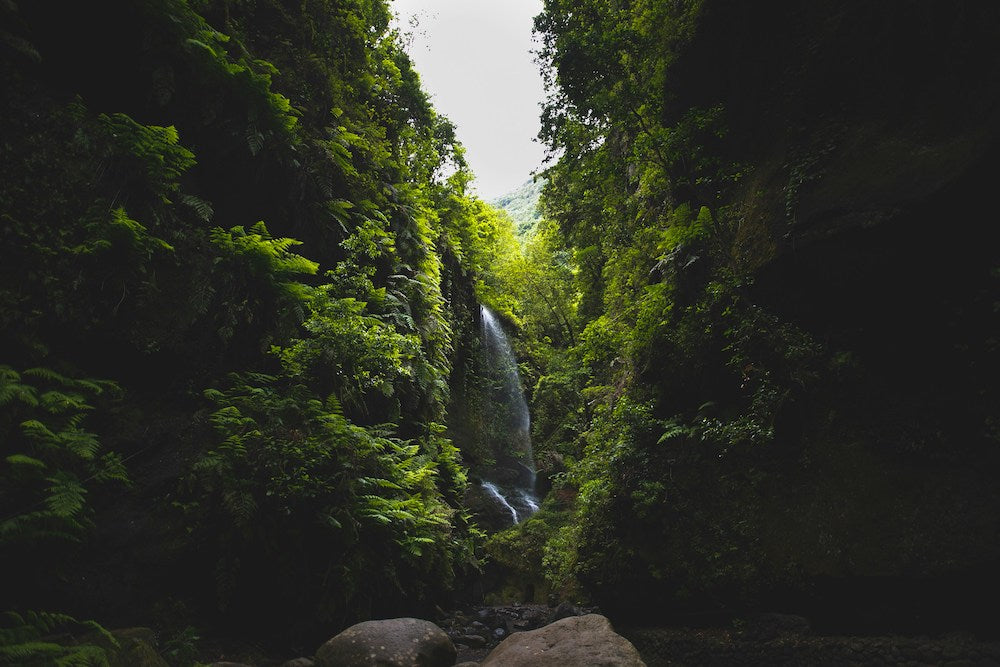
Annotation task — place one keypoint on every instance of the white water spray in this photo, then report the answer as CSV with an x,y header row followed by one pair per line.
x,y
528,499
495,492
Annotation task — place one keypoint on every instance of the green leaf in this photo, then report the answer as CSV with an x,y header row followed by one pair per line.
x,y
23,459
66,495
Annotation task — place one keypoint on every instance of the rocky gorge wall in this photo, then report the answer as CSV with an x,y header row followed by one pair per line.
x,y
810,365
868,221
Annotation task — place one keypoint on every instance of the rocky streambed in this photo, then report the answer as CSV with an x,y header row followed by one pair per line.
x,y
536,635
475,631
489,636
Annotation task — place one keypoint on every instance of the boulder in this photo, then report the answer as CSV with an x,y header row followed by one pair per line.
x,y
577,640
397,642
564,610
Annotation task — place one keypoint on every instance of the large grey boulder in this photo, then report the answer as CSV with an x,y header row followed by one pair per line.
x,y
397,642
578,640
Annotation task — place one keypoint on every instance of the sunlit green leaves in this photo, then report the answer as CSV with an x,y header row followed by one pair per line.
x,y
154,149
357,352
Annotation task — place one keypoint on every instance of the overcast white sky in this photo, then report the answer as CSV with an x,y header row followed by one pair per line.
x,y
474,59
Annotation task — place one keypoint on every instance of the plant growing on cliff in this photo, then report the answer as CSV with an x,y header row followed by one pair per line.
x,y
52,460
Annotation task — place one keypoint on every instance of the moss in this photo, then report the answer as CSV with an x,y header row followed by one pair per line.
x,y
518,554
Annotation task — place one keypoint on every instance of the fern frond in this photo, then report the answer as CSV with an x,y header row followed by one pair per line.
x,y
201,45
86,655
81,443
113,468
96,386
50,375
379,482
74,421
34,529
255,139
201,207
66,495
24,460
36,429
241,505
47,622
334,406
27,653
57,402
26,640
213,395
24,393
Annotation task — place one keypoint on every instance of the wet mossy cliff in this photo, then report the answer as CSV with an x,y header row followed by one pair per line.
x,y
805,414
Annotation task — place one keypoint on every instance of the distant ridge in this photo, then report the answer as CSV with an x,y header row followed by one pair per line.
x,y
521,205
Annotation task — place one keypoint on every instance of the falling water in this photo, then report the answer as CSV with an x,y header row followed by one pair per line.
x,y
503,358
509,409
529,500
492,489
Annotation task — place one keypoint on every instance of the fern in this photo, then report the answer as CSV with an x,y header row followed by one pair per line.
x,y
202,208
50,453
58,401
83,656
37,430
27,639
241,505
291,468
30,652
112,468
34,526
84,445
379,482
25,394
22,459
49,375
66,495
255,139
672,431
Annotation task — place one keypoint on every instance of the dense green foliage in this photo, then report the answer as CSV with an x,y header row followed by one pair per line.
x,y
521,204
39,638
715,438
239,317
249,222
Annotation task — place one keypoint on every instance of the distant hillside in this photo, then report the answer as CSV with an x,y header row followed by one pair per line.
x,y
522,205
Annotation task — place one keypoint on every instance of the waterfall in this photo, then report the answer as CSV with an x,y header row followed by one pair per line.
x,y
492,489
513,478
528,500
